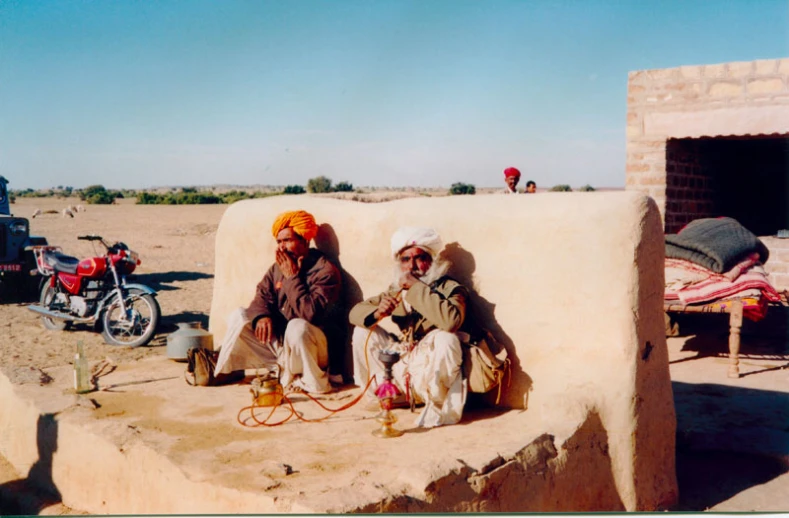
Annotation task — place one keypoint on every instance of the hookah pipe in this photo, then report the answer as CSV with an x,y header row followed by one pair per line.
x,y
386,392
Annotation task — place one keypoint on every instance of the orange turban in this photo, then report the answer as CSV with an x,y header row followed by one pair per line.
x,y
300,221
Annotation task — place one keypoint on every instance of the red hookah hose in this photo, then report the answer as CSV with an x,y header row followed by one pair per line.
x,y
285,398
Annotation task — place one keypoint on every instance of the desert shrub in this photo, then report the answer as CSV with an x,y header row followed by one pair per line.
x,y
343,187
89,191
586,188
319,184
561,188
294,189
100,198
462,188
197,198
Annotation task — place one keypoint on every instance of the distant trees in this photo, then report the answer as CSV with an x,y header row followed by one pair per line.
x,y
186,197
561,188
462,188
586,188
294,189
97,195
322,184
319,184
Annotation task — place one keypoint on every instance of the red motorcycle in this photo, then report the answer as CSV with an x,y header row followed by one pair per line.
x,y
94,291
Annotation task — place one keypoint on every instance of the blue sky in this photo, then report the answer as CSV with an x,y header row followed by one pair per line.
x,y
375,92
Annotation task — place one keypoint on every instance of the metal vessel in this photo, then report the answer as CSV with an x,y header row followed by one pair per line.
x,y
188,335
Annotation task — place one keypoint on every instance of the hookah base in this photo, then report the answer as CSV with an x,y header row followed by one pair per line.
x,y
387,432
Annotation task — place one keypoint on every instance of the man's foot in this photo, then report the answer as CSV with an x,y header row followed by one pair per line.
x,y
297,385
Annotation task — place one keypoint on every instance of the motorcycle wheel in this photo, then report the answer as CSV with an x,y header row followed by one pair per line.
x,y
137,326
53,324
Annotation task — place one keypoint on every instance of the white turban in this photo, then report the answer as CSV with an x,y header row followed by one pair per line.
x,y
425,238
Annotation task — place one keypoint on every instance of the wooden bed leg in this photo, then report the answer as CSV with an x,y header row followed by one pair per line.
x,y
735,324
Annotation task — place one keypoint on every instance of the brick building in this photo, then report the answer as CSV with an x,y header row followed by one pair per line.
x,y
713,140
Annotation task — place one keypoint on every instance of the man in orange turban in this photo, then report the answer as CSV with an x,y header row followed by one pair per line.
x,y
511,177
286,323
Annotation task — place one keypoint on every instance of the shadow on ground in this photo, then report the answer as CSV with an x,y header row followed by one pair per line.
x,y
707,478
162,281
728,439
31,495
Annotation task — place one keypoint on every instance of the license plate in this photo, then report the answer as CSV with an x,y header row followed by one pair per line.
x,y
10,267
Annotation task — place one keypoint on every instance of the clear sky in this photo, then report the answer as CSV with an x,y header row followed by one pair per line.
x,y
422,93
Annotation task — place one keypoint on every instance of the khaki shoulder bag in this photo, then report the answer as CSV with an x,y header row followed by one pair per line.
x,y
482,367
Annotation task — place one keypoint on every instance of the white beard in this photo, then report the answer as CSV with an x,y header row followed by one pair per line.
x,y
438,269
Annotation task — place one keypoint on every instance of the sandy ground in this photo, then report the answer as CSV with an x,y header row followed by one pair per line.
x,y
176,244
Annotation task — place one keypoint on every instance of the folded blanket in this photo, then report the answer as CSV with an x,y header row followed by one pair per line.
x,y
715,243
716,287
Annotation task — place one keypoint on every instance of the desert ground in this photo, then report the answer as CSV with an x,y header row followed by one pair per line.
x,y
176,245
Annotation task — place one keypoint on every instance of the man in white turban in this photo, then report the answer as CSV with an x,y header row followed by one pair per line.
x,y
429,308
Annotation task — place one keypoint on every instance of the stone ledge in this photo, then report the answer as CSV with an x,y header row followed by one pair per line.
x,y
150,444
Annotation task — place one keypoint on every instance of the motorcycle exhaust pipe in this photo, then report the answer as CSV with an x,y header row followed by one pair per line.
x,y
61,316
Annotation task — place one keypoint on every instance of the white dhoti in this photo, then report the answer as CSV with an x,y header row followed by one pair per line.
x,y
302,357
434,367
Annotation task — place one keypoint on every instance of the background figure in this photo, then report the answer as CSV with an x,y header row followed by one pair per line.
x,y
288,320
531,187
429,307
511,177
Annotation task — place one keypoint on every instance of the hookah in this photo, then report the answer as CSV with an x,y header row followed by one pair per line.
x,y
267,390
386,393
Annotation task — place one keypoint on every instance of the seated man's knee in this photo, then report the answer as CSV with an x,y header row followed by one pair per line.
x,y
359,336
445,342
296,330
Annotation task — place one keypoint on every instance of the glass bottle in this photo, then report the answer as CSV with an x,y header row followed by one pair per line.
x,y
81,373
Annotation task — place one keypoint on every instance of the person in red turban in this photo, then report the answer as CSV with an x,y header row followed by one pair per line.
x,y
287,324
511,177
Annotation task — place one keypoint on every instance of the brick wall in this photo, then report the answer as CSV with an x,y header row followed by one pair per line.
x,y
673,113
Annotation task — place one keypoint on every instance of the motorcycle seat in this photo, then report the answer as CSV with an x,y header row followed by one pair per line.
x,y
62,262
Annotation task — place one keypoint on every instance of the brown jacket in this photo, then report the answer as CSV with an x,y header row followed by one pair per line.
x,y
310,295
441,305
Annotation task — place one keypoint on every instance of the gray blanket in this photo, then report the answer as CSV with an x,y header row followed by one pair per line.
x,y
715,243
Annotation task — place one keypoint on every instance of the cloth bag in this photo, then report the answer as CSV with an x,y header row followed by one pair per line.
x,y
200,365
484,369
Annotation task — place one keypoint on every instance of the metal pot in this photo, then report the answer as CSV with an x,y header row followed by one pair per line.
x,y
188,335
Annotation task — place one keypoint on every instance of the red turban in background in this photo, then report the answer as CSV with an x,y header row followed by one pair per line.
x,y
300,221
511,171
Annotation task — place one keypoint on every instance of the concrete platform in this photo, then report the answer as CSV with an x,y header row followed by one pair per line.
x,y
146,442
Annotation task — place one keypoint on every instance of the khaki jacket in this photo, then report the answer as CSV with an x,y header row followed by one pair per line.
x,y
441,305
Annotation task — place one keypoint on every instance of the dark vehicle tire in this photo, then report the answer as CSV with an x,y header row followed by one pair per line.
x,y
137,326
53,324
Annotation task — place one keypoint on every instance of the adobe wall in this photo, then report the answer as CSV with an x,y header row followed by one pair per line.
x,y
571,282
729,99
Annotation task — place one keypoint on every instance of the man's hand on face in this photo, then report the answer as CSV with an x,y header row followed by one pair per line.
x,y
287,265
263,330
407,279
385,307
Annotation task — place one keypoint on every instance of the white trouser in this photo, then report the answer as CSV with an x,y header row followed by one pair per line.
x,y
304,352
434,367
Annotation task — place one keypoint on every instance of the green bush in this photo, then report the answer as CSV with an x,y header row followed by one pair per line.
x,y
100,198
561,188
197,198
586,188
294,189
319,184
343,187
462,188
